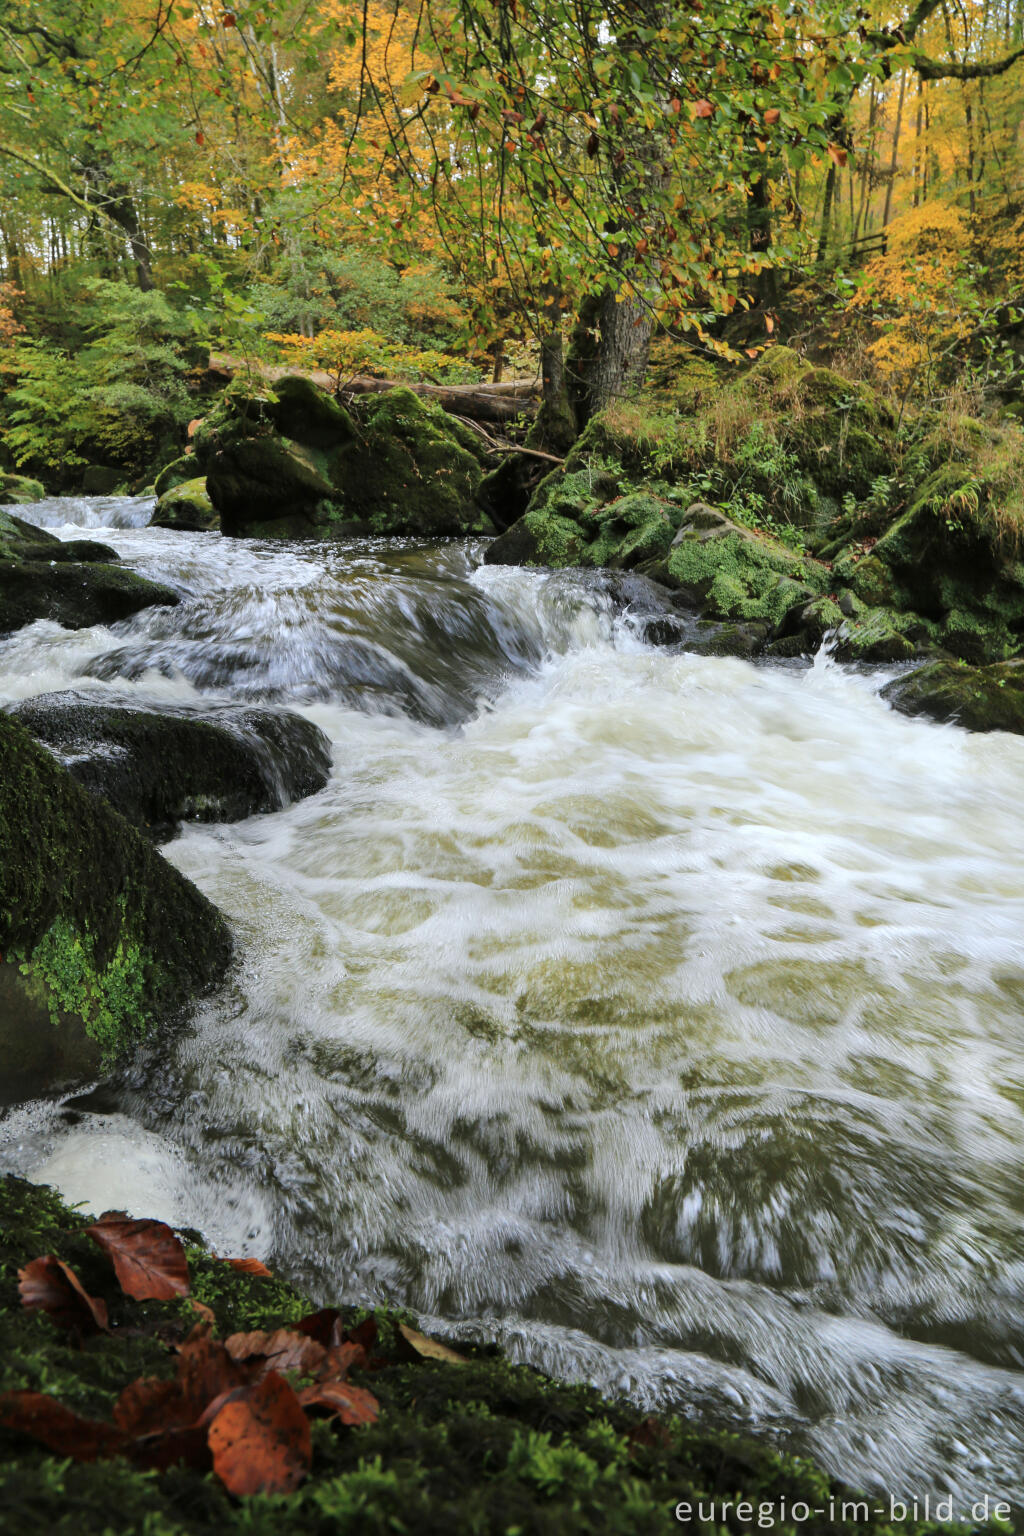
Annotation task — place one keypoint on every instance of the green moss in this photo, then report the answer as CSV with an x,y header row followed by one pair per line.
x,y
186,505
987,698
16,489
484,1447
110,1000
175,473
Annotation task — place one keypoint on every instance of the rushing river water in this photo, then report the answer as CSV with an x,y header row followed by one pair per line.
x,y
659,1015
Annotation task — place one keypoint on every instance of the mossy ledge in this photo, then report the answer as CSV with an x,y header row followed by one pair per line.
x,y
100,932
483,1447
795,505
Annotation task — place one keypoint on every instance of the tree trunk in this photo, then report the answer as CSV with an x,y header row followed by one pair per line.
x,y
122,210
608,352
894,158
759,223
826,212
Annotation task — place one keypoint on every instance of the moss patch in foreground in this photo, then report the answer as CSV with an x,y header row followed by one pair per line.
x,y
485,1447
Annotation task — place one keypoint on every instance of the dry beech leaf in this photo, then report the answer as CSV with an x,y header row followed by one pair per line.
x,y
340,1359
352,1405
148,1258
250,1267
47,1285
430,1349
57,1427
203,1311
282,1350
260,1440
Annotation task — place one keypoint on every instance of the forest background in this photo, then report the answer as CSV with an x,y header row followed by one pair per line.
x,y
463,190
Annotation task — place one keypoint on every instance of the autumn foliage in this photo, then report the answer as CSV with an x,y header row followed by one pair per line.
x,y
238,1406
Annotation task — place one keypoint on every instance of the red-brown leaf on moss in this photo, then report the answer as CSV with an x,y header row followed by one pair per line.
x,y
352,1405
148,1258
261,1440
57,1427
282,1350
47,1285
250,1267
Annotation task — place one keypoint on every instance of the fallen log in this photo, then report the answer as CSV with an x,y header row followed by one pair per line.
x,y
481,402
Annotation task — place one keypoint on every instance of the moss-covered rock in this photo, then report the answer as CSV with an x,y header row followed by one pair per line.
x,y
106,935
74,584
293,461
180,764
979,698
187,506
481,1447
101,480
16,490
174,473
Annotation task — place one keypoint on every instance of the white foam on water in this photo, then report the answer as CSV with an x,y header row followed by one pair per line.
x,y
658,1014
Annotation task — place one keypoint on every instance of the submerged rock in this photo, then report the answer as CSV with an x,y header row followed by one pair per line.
x,y
292,462
186,505
979,698
75,584
159,768
101,938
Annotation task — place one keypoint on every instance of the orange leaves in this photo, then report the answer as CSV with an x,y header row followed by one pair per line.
x,y
57,1427
837,155
250,1267
148,1259
772,115
47,1285
260,1440
229,1405
703,108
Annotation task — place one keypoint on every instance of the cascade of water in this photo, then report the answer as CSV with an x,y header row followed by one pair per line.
x,y
656,1013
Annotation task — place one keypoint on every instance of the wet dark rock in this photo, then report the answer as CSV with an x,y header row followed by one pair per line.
x,y
101,938
101,480
292,462
73,584
979,698
159,768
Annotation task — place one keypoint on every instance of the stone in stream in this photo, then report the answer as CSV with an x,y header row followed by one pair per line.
x,y
978,698
187,506
100,938
161,767
76,584
290,462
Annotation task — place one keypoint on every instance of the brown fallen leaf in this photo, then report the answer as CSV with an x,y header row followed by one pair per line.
x,y
325,1326
206,1371
47,1285
250,1267
283,1350
260,1440
340,1359
203,1311
57,1427
148,1258
352,1405
430,1349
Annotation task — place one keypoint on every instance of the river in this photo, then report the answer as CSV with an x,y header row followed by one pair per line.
x,y
659,1015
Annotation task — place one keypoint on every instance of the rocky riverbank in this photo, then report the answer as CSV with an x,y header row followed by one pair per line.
x,y
463,1441
779,506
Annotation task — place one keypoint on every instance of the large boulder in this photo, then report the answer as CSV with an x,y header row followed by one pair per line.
x,y
979,698
186,505
101,939
16,490
159,768
75,584
292,462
